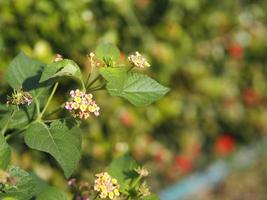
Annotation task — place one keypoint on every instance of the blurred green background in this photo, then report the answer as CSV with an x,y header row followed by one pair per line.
x,y
212,54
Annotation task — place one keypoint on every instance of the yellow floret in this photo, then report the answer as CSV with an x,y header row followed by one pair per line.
x,y
114,181
78,99
91,108
83,107
116,192
75,105
111,195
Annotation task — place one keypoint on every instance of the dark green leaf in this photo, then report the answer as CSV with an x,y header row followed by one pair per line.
x,y
25,72
21,118
123,169
61,68
52,193
62,143
5,153
137,88
41,185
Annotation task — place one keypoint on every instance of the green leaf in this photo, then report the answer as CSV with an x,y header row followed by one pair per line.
x,y
40,185
62,142
123,169
9,198
23,188
25,72
107,52
52,193
61,68
21,118
5,153
137,88
151,197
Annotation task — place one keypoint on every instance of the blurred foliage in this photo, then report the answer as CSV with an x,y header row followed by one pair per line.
x,y
212,54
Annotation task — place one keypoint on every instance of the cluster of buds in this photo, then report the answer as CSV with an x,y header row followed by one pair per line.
x,y
143,172
80,189
19,98
6,180
144,190
82,104
58,58
106,186
138,60
93,61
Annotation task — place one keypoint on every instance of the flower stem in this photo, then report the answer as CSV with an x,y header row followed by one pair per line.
x,y
136,181
48,101
37,106
16,133
93,81
83,85
99,87
59,108
7,123
130,68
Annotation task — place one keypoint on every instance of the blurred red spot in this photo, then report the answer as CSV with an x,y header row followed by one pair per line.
x,y
251,97
224,145
235,50
126,119
183,163
158,157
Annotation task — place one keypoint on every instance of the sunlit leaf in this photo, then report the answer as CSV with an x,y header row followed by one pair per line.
x,y
137,88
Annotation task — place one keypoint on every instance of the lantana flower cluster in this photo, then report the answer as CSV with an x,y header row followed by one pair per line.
x,y
19,98
138,60
81,104
106,186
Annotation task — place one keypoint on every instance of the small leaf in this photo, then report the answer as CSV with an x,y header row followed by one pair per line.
x,y
137,88
123,169
23,188
115,77
61,68
107,52
62,143
25,72
5,153
52,193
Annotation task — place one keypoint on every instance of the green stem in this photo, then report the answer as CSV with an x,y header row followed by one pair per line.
x,y
48,101
130,68
88,77
83,85
99,87
37,106
59,108
7,123
93,81
136,181
15,134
